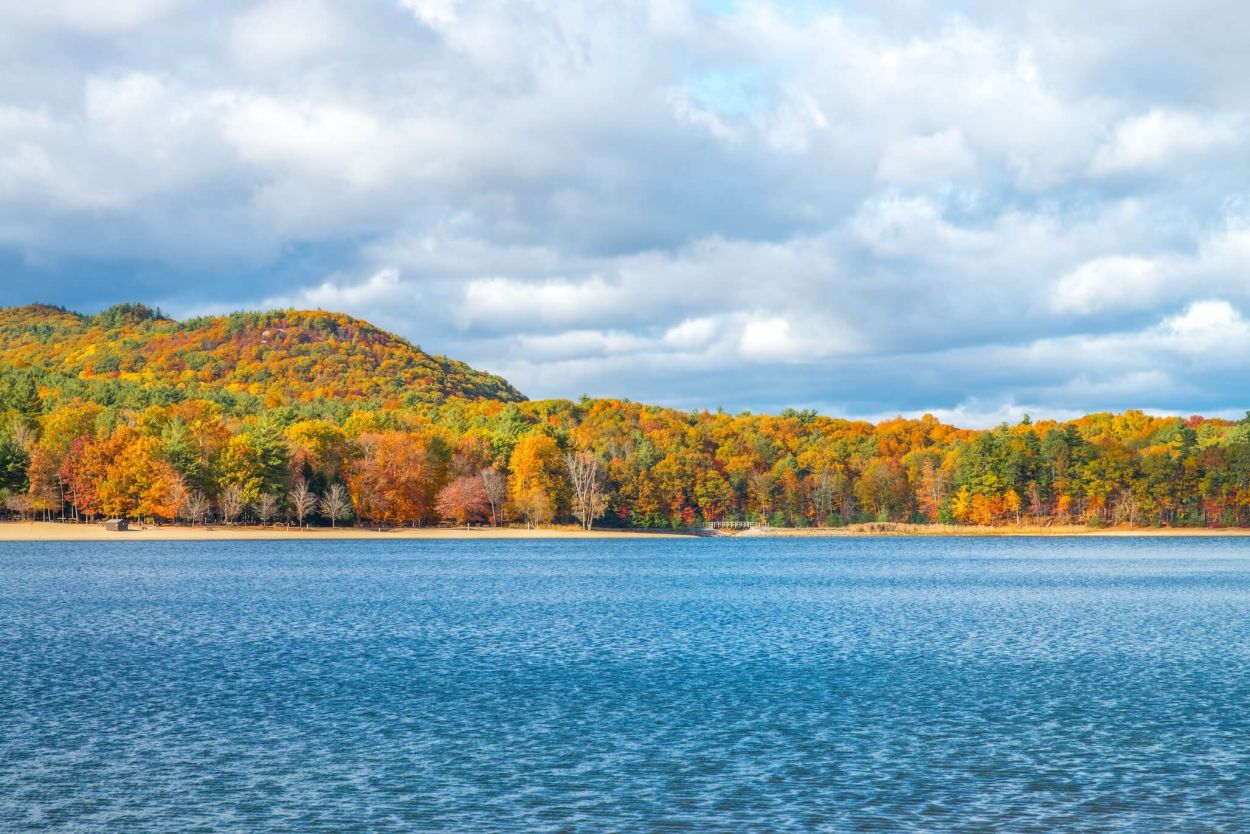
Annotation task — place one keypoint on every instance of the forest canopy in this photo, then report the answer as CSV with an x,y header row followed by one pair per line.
x,y
320,418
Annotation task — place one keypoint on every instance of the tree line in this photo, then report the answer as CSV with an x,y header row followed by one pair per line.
x,y
604,462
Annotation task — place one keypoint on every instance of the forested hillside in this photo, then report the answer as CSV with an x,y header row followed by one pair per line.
x,y
134,354
323,419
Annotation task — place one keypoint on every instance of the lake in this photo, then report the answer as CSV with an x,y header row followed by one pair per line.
x,y
670,685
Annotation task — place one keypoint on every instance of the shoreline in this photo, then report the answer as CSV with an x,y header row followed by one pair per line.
x,y
950,531
52,531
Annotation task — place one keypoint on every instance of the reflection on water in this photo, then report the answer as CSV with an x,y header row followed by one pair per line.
x,y
840,685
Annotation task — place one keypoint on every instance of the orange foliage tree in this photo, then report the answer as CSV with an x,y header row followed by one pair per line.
x,y
397,477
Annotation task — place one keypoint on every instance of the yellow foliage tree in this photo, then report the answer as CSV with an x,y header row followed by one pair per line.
x,y
961,505
536,466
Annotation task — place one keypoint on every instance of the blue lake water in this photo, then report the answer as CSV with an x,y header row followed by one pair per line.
x,y
732,685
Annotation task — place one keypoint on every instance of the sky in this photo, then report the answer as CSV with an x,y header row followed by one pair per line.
x,y
973,209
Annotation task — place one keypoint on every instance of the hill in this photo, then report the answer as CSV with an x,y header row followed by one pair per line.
x,y
282,357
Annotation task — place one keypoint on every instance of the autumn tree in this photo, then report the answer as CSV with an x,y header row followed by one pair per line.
x,y
463,500
60,428
714,494
762,484
931,490
137,482
397,477
320,451
883,489
986,508
1012,503
22,434
537,486
198,431
793,499
533,507
674,478
45,482
256,461
82,471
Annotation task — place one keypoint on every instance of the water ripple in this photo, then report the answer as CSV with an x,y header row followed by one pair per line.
x,y
842,685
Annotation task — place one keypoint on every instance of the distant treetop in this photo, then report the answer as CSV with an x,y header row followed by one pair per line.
x,y
122,315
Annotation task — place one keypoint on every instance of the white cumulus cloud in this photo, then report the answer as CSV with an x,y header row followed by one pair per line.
x,y
1109,282
1151,140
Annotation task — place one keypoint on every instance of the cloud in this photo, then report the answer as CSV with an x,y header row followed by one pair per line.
x,y
284,31
1109,282
383,287
777,339
310,139
770,339
1149,141
899,208
435,13
919,160
91,16
503,302
692,334
1211,327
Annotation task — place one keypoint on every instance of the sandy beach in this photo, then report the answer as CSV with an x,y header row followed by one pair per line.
x,y
55,531
17,531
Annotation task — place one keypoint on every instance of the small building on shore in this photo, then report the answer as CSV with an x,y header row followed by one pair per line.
x,y
117,525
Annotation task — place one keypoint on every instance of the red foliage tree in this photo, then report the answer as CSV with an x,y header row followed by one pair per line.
x,y
463,500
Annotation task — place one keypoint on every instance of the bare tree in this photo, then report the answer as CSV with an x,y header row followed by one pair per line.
x,y
822,496
195,505
19,504
335,504
232,503
496,487
586,478
266,507
620,448
303,500
844,490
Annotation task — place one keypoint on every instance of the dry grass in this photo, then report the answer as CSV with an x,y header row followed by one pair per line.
x,y
889,528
